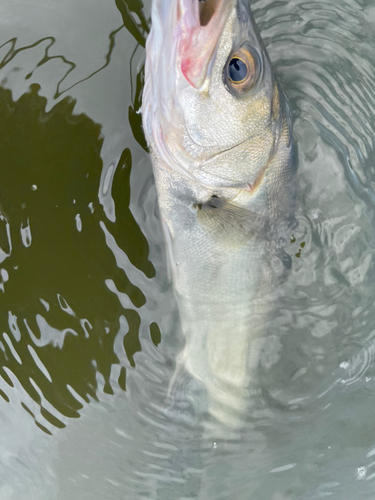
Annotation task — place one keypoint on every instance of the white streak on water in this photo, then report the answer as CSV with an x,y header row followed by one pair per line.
x,y
283,468
38,362
11,347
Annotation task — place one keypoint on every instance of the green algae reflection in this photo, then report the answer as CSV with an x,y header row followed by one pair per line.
x,y
58,319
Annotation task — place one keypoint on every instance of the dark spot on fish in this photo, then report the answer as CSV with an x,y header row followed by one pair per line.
x,y
213,202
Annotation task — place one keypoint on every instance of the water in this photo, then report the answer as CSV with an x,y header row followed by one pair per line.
x,y
88,324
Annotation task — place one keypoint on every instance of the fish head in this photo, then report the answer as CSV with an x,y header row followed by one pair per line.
x,y
212,108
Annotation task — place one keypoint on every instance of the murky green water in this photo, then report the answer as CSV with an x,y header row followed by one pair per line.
x,y
88,323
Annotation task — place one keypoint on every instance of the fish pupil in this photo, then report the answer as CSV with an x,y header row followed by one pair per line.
x,y
237,70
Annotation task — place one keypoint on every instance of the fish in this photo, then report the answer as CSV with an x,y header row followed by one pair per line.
x,y
218,127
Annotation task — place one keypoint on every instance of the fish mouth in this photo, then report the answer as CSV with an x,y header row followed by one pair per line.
x,y
207,9
199,27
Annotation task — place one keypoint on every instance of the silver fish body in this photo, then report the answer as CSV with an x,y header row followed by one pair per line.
x,y
222,156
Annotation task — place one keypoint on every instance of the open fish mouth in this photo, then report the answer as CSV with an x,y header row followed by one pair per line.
x,y
193,29
200,24
207,9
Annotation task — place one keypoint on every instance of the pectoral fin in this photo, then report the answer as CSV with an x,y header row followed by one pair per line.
x,y
226,219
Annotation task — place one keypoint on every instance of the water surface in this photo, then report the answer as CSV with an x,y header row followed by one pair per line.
x,y
88,323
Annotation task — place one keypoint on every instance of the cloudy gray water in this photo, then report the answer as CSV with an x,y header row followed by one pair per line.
x,y
88,324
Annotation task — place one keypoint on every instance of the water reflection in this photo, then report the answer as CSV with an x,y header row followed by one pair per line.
x,y
134,116
134,19
13,51
59,318
130,11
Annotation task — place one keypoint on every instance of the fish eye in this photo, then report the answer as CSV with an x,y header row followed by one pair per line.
x,y
241,70
237,70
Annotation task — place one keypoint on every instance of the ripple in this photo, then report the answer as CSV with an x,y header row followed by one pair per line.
x,y
323,56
